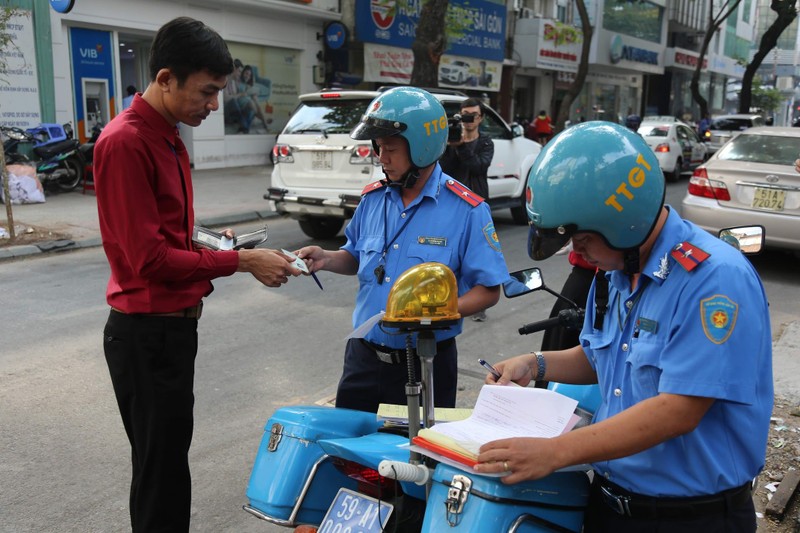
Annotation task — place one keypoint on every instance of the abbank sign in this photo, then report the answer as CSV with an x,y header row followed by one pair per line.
x,y
394,23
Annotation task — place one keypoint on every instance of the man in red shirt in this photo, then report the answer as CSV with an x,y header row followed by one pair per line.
x,y
158,278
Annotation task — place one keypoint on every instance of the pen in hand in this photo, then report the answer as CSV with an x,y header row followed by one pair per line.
x,y
490,368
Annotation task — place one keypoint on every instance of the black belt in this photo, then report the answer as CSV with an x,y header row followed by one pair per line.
x,y
639,506
394,356
194,311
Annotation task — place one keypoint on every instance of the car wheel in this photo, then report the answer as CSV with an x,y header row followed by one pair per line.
x,y
519,214
675,175
321,228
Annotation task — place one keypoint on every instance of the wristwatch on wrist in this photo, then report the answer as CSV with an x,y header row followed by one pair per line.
x,y
540,366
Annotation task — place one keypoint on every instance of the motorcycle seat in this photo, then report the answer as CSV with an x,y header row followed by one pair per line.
x,y
50,150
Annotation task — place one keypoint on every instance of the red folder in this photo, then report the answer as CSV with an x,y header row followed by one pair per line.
x,y
445,452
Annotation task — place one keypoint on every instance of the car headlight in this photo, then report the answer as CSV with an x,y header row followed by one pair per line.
x,y
424,296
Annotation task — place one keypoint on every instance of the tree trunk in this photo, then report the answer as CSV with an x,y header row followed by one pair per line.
x,y
6,194
576,86
786,15
430,44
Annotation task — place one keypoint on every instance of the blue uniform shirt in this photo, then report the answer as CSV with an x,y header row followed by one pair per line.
x,y
437,226
704,332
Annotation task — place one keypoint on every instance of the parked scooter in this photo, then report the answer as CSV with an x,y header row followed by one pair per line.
x,y
52,148
340,470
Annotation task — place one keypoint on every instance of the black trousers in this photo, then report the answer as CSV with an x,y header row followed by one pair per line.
x,y
367,382
600,518
151,362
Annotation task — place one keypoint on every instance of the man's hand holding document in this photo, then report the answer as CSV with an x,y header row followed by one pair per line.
x,y
500,413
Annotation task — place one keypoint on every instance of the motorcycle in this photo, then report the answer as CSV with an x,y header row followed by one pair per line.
x,y
336,470
52,148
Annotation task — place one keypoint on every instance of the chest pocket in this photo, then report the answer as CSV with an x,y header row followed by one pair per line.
x,y
600,346
369,252
644,365
430,252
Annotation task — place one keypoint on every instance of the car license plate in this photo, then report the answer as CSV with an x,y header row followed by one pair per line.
x,y
352,512
772,199
321,161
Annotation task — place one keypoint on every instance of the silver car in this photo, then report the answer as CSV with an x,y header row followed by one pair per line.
x,y
723,128
751,180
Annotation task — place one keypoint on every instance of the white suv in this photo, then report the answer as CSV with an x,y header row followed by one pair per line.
x,y
320,171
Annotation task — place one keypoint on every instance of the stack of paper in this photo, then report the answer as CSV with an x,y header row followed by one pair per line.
x,y
394,415
500,413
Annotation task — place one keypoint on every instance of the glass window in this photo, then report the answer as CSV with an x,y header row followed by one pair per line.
x,y
770,149
326,116
635,18
654,131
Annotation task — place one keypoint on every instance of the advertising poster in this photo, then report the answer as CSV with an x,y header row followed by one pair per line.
x,y
19,85
262,91
92,78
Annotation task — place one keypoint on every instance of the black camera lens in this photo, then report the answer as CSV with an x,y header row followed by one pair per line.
x,y
454,129
468,118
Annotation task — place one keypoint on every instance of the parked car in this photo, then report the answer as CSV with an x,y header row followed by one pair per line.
x,y
676,145
751,180
320,171
725,127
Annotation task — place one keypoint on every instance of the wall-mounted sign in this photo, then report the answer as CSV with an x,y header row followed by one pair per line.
x,y
62,6
394,23
335,35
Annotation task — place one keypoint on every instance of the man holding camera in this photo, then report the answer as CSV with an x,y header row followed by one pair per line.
x,y
468,152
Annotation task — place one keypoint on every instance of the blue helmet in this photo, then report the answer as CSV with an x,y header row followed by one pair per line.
x,y
412,113
599,177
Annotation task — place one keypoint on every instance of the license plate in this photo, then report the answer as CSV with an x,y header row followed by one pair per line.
x,y
352,512
772,199
321,161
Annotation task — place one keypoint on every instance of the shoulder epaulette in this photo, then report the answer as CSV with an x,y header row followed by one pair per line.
x,y
464,193
688,255
374,186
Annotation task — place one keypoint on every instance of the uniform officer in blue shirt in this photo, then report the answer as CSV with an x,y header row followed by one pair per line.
x,y
682,355
416,215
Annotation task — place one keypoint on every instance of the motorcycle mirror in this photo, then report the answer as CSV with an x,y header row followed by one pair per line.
x,y
523,282
747,239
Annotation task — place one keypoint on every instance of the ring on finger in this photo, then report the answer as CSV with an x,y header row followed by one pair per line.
x,y
505,466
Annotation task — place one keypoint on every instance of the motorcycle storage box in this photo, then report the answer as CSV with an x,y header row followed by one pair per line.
x,y
282,487
461,501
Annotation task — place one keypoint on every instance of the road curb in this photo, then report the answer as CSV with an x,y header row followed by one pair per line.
x,y
63,245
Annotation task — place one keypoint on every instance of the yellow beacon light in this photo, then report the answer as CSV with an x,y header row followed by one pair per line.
x,y
425,295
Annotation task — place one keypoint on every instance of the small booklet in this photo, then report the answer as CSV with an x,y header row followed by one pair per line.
x,y
395,415
500,412
217,241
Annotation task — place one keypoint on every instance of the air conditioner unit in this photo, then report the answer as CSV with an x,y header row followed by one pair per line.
x,y
526,13
518,5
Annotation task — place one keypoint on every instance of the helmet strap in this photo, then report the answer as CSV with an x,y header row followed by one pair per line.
x,y
630,258
408,180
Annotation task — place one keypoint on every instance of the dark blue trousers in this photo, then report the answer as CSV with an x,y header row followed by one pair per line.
x,y
367,381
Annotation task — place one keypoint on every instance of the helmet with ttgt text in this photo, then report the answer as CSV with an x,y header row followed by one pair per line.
x,y
412,113
598,177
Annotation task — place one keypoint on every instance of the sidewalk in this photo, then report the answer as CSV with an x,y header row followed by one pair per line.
x,y
221,197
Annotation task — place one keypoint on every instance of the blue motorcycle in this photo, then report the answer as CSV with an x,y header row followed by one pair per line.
x,y
341,470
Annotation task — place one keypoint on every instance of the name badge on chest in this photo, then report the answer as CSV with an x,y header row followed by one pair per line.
x,y
433,241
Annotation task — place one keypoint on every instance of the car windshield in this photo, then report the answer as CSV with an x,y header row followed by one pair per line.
x,y
326,116
770,149
654,131
731,124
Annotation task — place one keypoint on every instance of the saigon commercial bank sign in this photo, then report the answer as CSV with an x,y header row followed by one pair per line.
x,y
394,23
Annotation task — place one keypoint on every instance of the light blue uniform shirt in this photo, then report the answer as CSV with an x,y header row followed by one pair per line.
x,y
437,226
704,332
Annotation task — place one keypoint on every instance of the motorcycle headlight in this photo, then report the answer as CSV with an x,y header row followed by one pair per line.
x,y
424,296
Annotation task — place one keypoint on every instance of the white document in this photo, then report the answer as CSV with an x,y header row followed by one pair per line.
x,y
506,412
364,328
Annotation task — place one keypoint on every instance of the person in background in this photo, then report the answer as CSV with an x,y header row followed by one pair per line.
x,y
468,158
542,128
704,127
682,358
417,214
633,120
158,278
128,100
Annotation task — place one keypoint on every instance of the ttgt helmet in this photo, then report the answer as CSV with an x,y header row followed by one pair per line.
x,y
412,113
598,177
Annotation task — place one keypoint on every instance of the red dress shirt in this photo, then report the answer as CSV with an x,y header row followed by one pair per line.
x,y
144,200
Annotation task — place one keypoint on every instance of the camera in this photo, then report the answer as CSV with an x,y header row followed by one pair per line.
x,y
454,128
